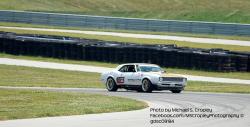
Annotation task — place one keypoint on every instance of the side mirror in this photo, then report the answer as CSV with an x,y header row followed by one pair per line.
x,y
163,71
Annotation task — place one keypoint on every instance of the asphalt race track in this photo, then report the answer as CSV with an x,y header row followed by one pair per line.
x,y
219,103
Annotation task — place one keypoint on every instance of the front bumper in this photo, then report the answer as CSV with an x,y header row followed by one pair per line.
x,y
171,85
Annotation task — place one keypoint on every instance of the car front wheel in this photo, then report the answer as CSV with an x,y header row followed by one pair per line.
x,y
111,85
175,91
146,86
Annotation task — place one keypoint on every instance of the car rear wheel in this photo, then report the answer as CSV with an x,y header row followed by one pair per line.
x,y
175,91
146,86
111,85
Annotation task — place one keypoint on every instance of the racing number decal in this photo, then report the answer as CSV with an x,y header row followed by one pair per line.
x,y
120,79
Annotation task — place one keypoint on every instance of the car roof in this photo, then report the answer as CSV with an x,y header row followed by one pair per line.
x,y
140,64
144,64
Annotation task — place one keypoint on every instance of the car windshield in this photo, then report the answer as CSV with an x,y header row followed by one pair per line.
x,y
150,69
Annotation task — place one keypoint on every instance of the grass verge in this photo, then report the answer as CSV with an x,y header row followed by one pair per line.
x,y
217,87
12,24
237,75
27,76
132,40
20,104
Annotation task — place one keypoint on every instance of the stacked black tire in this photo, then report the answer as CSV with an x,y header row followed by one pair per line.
x,y
115,52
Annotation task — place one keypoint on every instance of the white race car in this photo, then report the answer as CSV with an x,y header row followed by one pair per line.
x,y
143,78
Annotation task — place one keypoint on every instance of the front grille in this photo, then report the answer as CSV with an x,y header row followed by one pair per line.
x,y
174,79
174,85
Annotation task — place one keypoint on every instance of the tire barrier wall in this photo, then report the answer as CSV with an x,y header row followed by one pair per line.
x,y
104,22
116,52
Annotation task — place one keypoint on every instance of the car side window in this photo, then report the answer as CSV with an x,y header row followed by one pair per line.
x,y
131,68
123,69
127,68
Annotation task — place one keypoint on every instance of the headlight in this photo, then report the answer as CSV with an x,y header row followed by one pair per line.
x,y
160,79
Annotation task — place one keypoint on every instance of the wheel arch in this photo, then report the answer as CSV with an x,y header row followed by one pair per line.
x,y
110,76
150,87
147,77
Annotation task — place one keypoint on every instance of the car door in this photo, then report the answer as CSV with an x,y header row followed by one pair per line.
x,y
132,77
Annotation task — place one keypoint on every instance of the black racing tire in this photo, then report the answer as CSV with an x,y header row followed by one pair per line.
x,y
176,91
139,89
111,85
146,86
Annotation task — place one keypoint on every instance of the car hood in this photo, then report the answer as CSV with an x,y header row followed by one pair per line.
x,y
165,74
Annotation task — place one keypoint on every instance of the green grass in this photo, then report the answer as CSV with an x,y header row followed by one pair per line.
x,y
217,87
201,10
245,38
133,40
26,76
20,104
33,77
237,75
